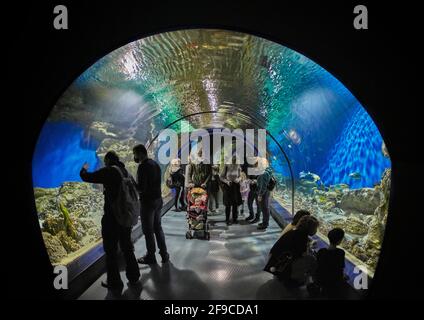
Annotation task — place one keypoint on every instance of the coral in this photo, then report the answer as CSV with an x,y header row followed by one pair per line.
x,y
362,213
53,224
364,200
68,242
54,248
71,214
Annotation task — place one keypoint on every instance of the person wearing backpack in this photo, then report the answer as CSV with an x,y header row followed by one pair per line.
x,y
176,181
266,183
113,232
149,186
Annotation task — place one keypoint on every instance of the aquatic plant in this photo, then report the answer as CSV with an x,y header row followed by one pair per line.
x,y
69,226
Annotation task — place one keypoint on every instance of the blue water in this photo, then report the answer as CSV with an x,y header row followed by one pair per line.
x,y
61,150
358,149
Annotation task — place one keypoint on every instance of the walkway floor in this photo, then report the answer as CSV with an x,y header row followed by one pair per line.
x,y
229,266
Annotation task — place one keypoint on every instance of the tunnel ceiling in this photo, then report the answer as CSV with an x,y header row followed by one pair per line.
x,y
234,79
170,75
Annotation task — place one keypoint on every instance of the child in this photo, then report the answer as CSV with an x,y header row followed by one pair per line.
x,y
244,189
331,263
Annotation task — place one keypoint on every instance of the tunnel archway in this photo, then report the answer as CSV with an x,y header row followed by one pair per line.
x,y
281,149
335,154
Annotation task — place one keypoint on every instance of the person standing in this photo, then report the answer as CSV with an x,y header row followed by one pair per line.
x,y
253,194
213,189
263,192
112,232
149,186
177,180
198,172
244,190
230,178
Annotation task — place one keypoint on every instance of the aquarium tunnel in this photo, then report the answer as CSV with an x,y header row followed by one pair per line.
x,y
325,151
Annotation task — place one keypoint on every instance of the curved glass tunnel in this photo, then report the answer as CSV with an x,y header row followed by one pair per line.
x,y
223,79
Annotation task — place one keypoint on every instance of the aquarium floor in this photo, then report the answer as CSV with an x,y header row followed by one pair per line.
x,y
229,266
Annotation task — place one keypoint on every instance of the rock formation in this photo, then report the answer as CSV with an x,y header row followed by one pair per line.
x,y
362,213
69,217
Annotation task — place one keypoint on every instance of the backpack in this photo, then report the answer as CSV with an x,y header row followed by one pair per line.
x,y
126,207
170,182
272,183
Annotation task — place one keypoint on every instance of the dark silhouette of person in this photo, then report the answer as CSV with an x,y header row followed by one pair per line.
x,y
213,189
253,195
149,186
331,262
112,232
230,178
291,247
178,179
263,192
296,218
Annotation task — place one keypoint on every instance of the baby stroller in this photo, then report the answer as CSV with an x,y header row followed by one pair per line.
x,y
197,214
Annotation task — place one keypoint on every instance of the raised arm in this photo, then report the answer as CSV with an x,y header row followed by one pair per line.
x,y
99,176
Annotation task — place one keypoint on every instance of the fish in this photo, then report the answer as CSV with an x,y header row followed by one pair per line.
x,y
355,175
309,176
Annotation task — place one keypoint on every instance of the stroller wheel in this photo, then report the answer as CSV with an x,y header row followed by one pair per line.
x,y
188,235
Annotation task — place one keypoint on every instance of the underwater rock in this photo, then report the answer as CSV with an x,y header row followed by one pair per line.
x,y
124,150
364,200
54,247
351,224
337,211
71,214
53,224
68,242
384,150
355,225
375,234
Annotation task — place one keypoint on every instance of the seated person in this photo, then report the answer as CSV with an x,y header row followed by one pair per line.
x,y
299,214
331,262
290,252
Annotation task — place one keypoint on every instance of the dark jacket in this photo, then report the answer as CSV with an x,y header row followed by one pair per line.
x,y
110,178
331,263
149,178
294,241
178,178
198,173
263,181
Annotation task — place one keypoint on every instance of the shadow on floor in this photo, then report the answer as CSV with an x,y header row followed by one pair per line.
x,y
167,282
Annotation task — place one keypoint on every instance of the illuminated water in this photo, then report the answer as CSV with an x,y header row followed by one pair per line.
x,y
60,153
248,83
357,150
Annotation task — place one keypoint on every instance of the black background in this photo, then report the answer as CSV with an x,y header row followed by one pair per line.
x,y
379,66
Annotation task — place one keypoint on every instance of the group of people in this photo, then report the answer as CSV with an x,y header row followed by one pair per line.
x,y
238,187
295,261
292,258
113,233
